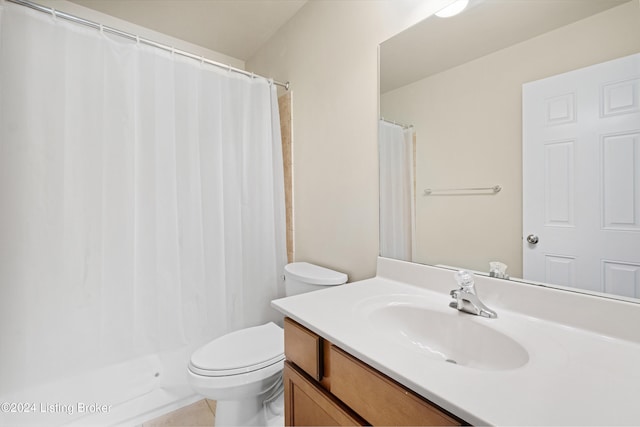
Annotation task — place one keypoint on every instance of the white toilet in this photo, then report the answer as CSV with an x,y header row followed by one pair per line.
x,y
242,370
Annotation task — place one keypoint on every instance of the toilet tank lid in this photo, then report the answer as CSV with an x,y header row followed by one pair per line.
x,y
314,274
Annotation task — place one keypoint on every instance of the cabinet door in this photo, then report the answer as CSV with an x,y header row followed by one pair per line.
x,y
306,404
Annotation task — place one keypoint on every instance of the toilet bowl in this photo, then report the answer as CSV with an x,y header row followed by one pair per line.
x,y
239,370
242,370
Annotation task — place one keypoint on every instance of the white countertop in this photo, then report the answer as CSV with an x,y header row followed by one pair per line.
x,y
574,376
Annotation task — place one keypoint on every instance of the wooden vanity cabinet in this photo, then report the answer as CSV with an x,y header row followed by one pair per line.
x,y
324,385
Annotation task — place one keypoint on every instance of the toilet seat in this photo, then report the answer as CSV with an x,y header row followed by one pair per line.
x,y
240,352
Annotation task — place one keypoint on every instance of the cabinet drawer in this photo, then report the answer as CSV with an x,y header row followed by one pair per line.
x,y
304,348
378,399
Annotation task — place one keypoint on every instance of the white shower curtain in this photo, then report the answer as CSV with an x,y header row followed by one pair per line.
x,y
141,200
397,219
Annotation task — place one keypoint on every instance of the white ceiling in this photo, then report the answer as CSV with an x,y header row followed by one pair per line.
x,y
237,28
437,44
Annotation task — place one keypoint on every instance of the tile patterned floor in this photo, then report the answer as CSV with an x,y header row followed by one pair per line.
x,y
201,413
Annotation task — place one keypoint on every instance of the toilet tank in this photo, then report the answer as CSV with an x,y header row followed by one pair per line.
x,y
301,277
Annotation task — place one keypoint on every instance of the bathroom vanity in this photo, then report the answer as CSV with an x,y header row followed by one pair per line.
x,y
390,351
324,385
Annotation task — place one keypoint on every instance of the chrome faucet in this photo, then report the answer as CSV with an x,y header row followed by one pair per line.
x,y
466,299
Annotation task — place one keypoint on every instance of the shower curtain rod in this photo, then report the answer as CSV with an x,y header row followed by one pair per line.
x,y
82,21
396,123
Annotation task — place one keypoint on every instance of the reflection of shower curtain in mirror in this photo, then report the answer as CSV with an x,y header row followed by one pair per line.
x,y
397,219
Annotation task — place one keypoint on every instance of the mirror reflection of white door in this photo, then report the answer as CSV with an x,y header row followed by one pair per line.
x,y
581,178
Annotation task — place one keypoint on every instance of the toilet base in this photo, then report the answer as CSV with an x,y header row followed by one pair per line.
x,y
250,412
247,412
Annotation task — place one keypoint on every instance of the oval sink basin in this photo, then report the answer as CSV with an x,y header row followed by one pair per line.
x,y
453,337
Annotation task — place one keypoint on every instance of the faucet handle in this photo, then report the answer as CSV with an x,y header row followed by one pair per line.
x,y
465,279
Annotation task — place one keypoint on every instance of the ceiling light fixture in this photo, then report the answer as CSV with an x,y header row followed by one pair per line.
x,y
453,9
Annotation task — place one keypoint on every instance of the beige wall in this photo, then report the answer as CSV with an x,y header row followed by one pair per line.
x,y
328,51
111,21
468,125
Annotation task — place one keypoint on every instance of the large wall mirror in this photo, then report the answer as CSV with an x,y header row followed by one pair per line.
x,y
511,113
